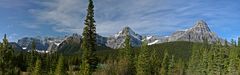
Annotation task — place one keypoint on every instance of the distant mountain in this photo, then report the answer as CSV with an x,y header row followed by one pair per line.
x,y
42,44
70,44
26,43
73,42
16,46
117,41
155,39
196,34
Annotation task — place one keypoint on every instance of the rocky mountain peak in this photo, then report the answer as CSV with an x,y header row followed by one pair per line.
x,y
201,26
125,31
117,41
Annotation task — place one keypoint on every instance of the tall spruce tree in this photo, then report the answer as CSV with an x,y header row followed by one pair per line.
x,y
32,57
89,60
6,57
239,42
171,66
143,62
164,64
128,54
37,68
60,67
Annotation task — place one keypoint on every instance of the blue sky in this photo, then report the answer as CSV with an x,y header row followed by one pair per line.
x,y
21,18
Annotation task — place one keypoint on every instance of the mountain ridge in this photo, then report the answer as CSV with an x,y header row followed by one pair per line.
x,y
197,33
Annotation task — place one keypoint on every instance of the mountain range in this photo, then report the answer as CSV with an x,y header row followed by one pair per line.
x,y
197,33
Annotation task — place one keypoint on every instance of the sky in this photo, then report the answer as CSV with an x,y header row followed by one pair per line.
x,y
30,18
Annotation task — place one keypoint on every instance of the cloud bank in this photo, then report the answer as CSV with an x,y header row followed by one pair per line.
x,y
144,16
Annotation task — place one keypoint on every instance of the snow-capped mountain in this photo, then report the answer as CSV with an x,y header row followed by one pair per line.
x,y
117,41
155,39
196,34
42,44
26,43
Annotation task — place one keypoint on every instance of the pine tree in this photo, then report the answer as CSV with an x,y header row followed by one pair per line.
x,y
155,62
37,68
6,57
127,52
233,42
204,62
171,66
60,67
180,67
193,63
142,66
32,57
233,62
219,58
164,64
238,41
128,55
89,60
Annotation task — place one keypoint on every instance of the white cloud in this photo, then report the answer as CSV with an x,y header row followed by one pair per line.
x,y
144,16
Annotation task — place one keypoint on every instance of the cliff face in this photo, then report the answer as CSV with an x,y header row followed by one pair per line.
x,y
198,33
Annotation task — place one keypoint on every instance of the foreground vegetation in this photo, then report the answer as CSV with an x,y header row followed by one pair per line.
x,y
172,58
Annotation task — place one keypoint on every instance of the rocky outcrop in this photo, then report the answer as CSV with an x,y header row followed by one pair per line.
x,y
117,41
198,33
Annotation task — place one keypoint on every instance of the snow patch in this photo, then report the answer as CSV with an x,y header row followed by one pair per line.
x,y
24,48
149,37
154,42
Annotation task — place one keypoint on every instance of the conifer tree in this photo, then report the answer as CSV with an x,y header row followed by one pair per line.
x,y
193,63
155,62
233,62
171,66
204,62
6,57
233,42
32,57
180,67
128,55
89,60
143,66
164,64
60,67
37,68
239,42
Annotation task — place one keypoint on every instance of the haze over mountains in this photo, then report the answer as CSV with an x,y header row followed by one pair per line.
x,y
195,34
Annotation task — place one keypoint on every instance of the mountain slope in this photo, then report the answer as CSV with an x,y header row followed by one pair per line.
x,y
117,41
197,33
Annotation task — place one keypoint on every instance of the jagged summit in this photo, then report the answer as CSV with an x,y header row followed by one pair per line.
x,y
125,31
117,41
201,26
196,34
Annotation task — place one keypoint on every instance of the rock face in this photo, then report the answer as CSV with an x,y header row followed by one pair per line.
x,y
53,43
26,43
71,43
42,44
196,34
117,41
155,39
16,46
